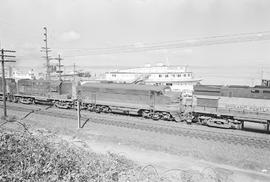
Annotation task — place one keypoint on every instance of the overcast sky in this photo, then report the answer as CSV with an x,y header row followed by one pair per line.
x,y
80,24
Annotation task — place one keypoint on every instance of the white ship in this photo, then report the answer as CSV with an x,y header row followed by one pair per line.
x,y
178,78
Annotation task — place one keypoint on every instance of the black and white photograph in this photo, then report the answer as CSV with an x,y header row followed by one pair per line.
x,y
135,91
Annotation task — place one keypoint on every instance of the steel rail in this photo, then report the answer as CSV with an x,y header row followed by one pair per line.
x,y
145,125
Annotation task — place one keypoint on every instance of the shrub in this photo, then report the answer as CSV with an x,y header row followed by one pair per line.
x,y
25,157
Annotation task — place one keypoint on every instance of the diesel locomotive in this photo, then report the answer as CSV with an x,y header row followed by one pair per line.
x,y
231,106
211,105
156,102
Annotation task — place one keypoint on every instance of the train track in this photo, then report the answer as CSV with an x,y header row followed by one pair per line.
x,y
158,127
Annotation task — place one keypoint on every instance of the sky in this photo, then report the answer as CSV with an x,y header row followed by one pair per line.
x,y
77,25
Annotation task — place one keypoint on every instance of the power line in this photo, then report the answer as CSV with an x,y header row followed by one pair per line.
x,y
198,42
170,42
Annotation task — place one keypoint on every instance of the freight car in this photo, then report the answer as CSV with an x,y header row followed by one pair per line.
x,y
58,93
231,106
156,102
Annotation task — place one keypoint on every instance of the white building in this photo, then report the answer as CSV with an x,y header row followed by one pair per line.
x,y
8,72
19,74
179,78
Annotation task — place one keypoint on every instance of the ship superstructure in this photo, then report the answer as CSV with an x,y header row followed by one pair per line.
x,y
177,77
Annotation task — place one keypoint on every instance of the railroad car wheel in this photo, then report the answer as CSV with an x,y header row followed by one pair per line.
x,y
10,98
177,119
15,99
189,121
84,106
268,127
235,124
203,120
62,105
219,123
26,100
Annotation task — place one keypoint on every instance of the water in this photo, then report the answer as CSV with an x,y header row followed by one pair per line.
x,y
219,75
231,75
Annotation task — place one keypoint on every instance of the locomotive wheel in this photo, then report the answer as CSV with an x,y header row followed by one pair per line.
x,y
156,116
90,108
177,119
15,100
145,114
98,109
106,109
62,105
166,116
26,101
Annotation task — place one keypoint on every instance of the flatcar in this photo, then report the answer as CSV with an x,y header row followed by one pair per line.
x,y
231,106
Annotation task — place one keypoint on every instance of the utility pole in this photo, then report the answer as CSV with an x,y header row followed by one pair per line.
x,y
59,71
46,50
74,69
79,112
3,56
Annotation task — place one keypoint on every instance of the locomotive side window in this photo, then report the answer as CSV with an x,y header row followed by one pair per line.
x,y
159,93
266,91
213,91
255,91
